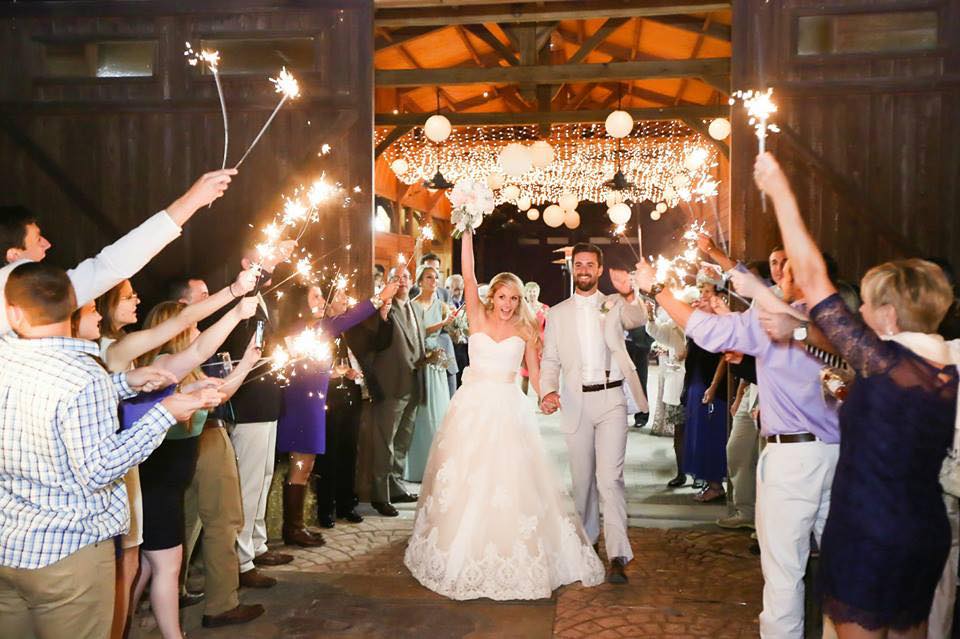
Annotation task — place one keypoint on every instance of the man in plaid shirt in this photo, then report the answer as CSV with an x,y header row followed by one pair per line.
x,y
62,498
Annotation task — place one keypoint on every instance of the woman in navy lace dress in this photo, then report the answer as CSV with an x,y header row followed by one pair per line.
x,y
887,535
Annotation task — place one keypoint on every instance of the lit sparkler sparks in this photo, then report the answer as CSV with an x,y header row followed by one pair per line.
x,y
212,60
760,106
285,84
427,234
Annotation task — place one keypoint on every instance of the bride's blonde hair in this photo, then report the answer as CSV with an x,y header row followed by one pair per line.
x,y
523,317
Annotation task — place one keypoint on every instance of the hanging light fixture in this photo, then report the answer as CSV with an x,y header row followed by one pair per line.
x,y
619,124
437,128
619,181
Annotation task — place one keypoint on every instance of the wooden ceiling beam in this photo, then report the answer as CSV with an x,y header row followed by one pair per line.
x,y
472,50
557,117
704,131
546,74
540,12
598,36
694,24
396,37
487,36
645,94
394,135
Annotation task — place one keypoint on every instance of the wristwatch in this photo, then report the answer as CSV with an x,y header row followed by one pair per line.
x,y
377,302
800,332
656,289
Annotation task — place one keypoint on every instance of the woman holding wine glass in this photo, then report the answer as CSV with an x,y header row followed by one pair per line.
x,y
301,430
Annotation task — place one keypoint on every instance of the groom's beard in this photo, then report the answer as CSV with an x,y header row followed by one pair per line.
x,y
586,284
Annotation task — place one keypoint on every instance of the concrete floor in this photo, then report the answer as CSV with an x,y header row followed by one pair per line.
x,y
689,578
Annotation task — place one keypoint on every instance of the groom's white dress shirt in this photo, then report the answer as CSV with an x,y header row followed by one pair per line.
x,y
594,353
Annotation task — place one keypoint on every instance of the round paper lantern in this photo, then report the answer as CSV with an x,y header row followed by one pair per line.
x,y
613,199
568,201
654,215
620,213
437,128
619,124
511,192
524,203
553,216
495,180
399,166
533,215
515,159
571,219
695,159
661,208
541,153
719,129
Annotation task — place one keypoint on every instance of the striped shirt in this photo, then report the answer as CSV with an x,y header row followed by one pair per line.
x,y
61,457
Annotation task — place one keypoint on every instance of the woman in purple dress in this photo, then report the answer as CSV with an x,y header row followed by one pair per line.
x,y
886,538
301,430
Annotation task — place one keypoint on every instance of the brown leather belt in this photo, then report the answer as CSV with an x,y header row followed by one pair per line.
x,y
593,388
791,438
214,423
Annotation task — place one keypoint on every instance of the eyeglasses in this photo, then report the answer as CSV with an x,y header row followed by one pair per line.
x,y
132,296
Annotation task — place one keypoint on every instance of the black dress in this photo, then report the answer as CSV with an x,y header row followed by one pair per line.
x,y
887,536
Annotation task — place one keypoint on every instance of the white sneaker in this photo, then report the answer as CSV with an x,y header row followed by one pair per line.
x,y
736,521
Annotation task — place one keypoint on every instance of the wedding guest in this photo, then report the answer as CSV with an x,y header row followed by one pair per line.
x,y
166,473
335,468
400,385
457,330
454,285
432,260
800,428
669,414
301,429
432,317
743,444
212,502
21,240
531,296
887,536
63,507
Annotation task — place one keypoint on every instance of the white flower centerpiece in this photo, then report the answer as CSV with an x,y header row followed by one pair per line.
x,y
471,201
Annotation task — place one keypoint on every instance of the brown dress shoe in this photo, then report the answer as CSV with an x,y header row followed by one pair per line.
x,y
190,599
256,579
405,498
294,532
272,558
385,509
240,614
615,574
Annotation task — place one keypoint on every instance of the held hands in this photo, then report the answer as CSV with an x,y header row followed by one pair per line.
x,y
183,405
779,326
768,175
246,307
550,403
147,379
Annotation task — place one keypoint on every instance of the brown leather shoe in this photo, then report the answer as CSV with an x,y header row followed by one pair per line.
x,y
272,558
615,574
385,509
256,579
405,498
240,614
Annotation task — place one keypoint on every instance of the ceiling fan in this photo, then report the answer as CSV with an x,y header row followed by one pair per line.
x,y
619,181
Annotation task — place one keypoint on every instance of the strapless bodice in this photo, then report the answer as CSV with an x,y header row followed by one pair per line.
x,y
489,355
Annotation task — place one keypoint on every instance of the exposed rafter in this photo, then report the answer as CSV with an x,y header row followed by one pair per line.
x,y
538,117
598,36
694,24
487,36
545,74
388,39
394,135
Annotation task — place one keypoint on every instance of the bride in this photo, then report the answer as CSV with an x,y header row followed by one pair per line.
x,y
491,520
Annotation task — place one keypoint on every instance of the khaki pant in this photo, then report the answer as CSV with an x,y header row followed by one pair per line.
x,y
70,598
212,501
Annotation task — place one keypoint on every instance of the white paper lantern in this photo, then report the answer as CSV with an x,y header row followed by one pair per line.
x,y
541,153
533,215
553,216
654,215
571,219
719,129
437,128
511,192
620,213
495,180
613,199
661,208
515,159
619,124
399,166
524,203
695,159
568,201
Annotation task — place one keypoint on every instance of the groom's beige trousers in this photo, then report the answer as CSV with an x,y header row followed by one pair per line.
x,y
596,450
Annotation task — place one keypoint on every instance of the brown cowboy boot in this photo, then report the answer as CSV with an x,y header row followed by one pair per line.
x,y
294,532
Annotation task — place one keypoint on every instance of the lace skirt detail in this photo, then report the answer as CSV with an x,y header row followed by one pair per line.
x,y
492,520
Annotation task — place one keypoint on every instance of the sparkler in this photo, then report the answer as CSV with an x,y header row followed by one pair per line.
x,y
212,60
286,84
760,106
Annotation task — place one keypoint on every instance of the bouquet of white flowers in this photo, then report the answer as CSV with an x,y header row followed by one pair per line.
x,y
471,202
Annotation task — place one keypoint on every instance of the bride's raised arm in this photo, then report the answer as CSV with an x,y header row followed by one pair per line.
x,y
471,288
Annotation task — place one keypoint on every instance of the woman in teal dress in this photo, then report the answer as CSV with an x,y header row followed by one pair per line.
x,y
433,315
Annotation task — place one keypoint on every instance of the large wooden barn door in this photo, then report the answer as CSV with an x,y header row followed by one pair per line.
x,y
869,99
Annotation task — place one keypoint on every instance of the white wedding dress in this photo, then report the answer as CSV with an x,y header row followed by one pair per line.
x,y
492,520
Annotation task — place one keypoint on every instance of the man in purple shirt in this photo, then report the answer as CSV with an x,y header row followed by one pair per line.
x,y
795,470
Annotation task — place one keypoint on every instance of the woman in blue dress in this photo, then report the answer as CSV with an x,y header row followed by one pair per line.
x,y
301,430
887,536
433,315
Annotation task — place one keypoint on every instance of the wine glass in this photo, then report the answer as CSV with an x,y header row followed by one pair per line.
x,y
341,366
226,363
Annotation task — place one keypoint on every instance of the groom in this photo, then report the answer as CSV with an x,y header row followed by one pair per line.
x,y
585,338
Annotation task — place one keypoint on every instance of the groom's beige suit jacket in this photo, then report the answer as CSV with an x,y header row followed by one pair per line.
x,y
561,351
